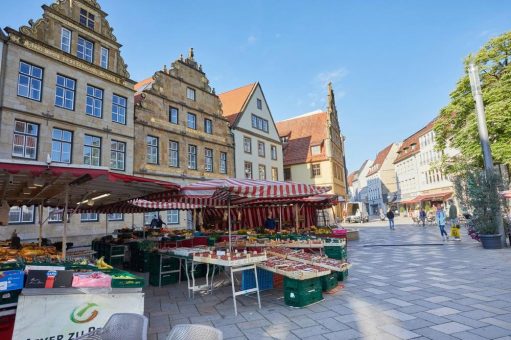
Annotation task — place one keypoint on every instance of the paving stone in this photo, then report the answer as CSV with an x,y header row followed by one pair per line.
x,y
398,315
431,333
497,322
333,324
415,324
399,332
491,332
398,302
443,311
437,299
451,327
310,331
344,335
468,336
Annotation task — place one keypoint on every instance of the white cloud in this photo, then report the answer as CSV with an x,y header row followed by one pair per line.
x,y
318,93
252,39
323,78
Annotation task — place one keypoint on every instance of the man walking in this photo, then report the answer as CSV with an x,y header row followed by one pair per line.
x,y
440,217
390,216
422,216
453,213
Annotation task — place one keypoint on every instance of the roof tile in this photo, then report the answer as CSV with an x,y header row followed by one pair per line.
x,y
234,100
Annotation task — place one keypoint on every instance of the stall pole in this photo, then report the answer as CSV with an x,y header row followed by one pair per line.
x,y
296,218
333,215
40,223
64,236
280,218
229,222
106,225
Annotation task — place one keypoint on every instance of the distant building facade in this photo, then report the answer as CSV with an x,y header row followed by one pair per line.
x,y
257,146
313,149
181,134
66,99
381,180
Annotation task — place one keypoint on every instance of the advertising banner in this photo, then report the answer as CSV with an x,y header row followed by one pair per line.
x,y
63,317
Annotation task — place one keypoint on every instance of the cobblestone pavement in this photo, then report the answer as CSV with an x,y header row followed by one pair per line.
x,y
452,290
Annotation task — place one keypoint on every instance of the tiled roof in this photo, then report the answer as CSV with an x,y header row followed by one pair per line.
x,y
378,161
303,132
351,177
233,101
141,85
406,150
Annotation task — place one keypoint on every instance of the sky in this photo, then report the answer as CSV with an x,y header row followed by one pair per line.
x,y
392,63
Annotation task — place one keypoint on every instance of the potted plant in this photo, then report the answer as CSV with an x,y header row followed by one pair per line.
x,y
478,194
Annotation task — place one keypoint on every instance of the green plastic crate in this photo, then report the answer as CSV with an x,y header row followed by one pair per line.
x,y
302,285
10,296
342,276
329,282
338,253
302,297
166,279
131,281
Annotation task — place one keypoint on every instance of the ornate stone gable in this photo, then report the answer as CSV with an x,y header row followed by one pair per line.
x,y
66,13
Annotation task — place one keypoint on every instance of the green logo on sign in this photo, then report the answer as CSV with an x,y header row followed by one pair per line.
x,y
84,313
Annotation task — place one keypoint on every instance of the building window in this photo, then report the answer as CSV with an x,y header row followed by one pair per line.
x,y
152,150
115,217
192,121
259,104
61,145
259,123
261,149
92,150
65,92
65,40
208,126
262,171
190,93
25,139
94,102
89,217
174,154
208,159
85,49
86,19
247,144
287,174
223,162
21,215
192,157
173,217
315,150
30,79
284,139
119,109
274,152
316,170
105,53
274,174
173,115
55,215
117,155
248,170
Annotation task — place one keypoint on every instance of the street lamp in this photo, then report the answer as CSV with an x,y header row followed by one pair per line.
x,y
475,84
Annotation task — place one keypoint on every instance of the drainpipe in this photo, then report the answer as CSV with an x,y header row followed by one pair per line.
x,y
3,41
233,153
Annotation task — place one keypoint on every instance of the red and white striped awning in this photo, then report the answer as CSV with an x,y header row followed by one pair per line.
x,y
231,188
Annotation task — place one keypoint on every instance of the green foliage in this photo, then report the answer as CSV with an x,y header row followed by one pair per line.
x,y
456,125
478,193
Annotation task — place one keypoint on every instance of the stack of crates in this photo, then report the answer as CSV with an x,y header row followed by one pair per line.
x,y
334,250
163,269
114,254
139,260
301,293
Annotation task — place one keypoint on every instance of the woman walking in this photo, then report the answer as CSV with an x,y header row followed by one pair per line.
x,y
440,217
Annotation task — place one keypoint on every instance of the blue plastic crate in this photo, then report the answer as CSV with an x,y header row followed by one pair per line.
x,y
11,280
264,278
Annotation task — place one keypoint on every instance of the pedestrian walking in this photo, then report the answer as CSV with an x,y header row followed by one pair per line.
x,y
390,216
422,216
453,213
440,218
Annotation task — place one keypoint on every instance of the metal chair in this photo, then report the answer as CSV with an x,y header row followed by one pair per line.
x,y
120,326
195,332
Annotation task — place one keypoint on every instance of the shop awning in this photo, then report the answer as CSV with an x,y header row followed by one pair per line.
x,y
139,206
35,183
439,196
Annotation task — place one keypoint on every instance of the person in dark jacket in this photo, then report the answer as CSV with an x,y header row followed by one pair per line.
x,y
390,216
422,216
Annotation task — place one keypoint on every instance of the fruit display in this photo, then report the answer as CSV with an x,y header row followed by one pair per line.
x,y
228,259
280,251
101,264
321,230
286,243
28,252
292,269
321,261
184,251
91,280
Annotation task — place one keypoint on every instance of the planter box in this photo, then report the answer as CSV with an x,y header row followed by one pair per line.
x,y
491,241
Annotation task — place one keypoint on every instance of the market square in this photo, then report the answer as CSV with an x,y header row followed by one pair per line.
x,y
240,170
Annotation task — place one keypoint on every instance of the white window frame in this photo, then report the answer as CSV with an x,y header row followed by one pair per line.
x,y
250,173
92,147
119,109
262,171
208,160
192,157
89,217
152,149
94,101
85,49
21,138
58,144
30,81
104,57
274,155
247,144
116,217
190,93
117,155
65,40
190,121
173,110
223,162
261,152
22,211
173,216
65,90
173,154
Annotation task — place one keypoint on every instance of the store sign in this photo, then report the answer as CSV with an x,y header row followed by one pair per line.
x,y
63,317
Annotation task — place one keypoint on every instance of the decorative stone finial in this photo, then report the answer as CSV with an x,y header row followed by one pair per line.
x,y
181,57
190,53
165,69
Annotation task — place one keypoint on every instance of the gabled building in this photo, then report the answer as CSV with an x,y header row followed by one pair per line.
x,y
313,149
181,134
66,99
359,182
381,180
257,146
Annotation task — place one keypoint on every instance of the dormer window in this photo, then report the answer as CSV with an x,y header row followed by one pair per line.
x,y
315,150
284,139
86,19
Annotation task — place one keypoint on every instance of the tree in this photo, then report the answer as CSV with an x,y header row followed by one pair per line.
x,y
456,125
